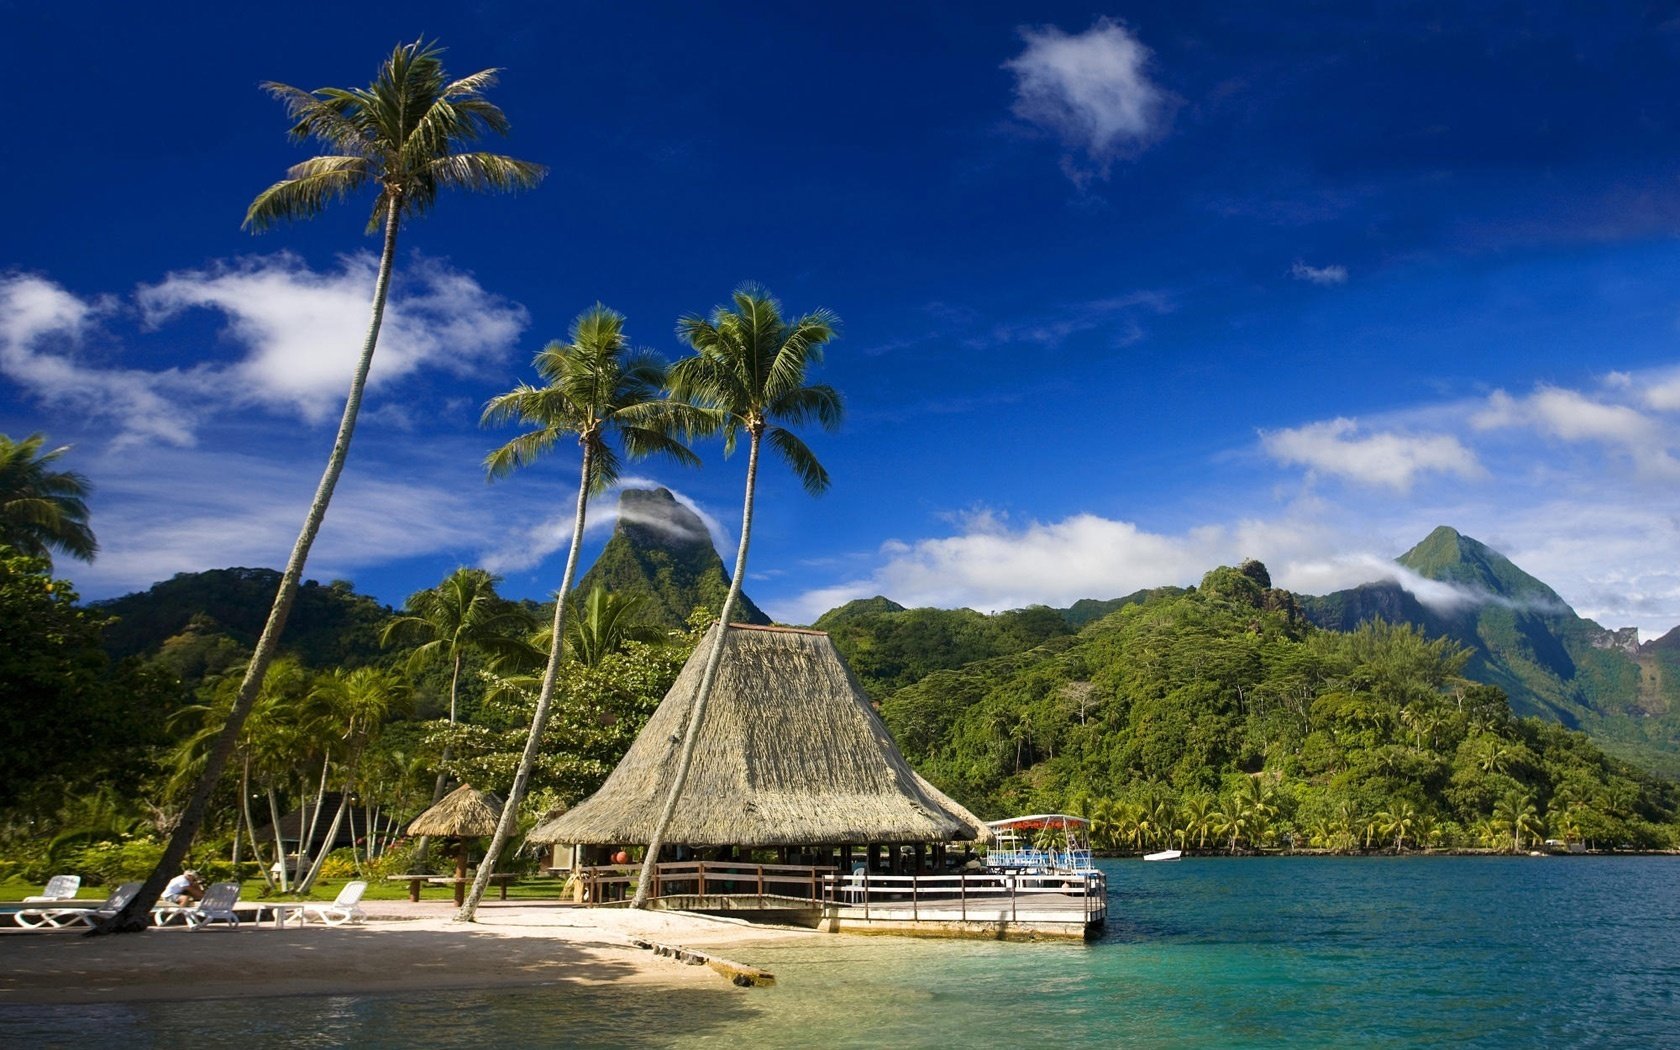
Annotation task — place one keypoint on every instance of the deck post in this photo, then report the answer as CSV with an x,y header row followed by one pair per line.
x,y
915,885
962,893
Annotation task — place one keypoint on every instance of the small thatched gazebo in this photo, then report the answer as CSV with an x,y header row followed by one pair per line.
x,y
790,754
464,813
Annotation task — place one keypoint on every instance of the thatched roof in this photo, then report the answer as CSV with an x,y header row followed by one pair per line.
x,y
464,813
789,753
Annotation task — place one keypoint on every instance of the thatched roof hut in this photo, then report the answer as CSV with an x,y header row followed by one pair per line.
x,y
790,753
464,813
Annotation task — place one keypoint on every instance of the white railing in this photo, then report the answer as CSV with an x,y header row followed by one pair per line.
x,y
982,896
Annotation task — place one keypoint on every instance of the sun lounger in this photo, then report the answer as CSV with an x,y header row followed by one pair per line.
x,y
59,888
217,906
346,907
57,917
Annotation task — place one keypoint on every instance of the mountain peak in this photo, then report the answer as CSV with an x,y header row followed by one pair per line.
x,y
1449,556
661,549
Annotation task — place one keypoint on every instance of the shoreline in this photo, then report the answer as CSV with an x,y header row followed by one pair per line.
x,y
401,948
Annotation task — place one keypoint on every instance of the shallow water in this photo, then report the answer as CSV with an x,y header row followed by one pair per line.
x,y
1462,951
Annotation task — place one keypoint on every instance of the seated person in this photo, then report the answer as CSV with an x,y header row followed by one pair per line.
x,y
184,889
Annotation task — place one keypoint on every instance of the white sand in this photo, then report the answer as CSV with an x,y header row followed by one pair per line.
x,y
402,947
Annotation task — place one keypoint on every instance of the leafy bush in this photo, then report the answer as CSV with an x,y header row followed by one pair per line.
x,y
122,860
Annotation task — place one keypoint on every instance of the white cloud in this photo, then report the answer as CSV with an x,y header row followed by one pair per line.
x,y
989,565
303,330
529,545
296,335
1323,275
43,329
1388,459
1570,416
1092,90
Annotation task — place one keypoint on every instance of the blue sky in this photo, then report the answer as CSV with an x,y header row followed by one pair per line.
x,y
1127,291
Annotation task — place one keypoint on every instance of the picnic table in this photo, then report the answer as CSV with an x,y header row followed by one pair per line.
x,y
500,879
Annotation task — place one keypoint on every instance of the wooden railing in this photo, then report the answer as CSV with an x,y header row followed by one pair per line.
x,y
704,877
985,894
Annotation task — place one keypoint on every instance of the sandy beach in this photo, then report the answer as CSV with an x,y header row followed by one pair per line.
x,y
402,947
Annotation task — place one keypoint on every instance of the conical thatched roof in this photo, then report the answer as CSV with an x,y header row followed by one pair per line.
x,y
789,753
464,813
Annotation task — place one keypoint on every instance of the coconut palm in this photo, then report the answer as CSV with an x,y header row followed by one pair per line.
x,y
597,388
1231,818
404,135
461,614
748,375
604,622
1398,820
42,509
1515,816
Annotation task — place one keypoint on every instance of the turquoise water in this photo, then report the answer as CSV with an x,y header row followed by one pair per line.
x,y
1460,951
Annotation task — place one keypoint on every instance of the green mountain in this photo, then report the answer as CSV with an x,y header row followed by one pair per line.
x,y
1528,641
661,549
1162,718
202,622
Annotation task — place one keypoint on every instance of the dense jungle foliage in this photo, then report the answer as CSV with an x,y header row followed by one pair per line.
x,y
1220,718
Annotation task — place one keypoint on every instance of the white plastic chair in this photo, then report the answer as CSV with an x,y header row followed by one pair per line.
x,y
55,918
346,907
59,888
217,906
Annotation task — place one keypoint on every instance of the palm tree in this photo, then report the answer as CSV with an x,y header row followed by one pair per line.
x,y
42,508
1196,816
1515,815
403,135
462,613
1231,817
604,622
596,388
748,375
1398,820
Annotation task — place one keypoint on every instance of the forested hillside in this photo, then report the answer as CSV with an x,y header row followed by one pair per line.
x,y
1221,714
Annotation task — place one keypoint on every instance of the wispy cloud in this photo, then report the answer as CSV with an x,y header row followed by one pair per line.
x,y
294,333
1387,459
1572,416
1321,275
1092,90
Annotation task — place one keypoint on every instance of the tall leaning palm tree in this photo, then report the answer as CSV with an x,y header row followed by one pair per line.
x,y
595,388
42,509
406,136
747,376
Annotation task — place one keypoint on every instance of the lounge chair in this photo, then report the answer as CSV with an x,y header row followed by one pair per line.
x,y
346,907
59,888
217,906
57,917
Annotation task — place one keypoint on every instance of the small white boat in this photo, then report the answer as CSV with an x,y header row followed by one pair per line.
x,y
1166,854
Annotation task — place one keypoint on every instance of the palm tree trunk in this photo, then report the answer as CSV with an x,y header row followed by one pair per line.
x,y
137,915
539,717
308,881
251,824
707,679
424,847
279,840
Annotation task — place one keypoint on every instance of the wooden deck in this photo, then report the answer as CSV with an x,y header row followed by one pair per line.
x,y
985,905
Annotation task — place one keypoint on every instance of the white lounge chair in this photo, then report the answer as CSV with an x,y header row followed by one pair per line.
x,y
59,888
57,917
217,906
346,907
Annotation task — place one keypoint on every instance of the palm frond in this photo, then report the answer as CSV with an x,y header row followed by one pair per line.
x,y
799,459
304,198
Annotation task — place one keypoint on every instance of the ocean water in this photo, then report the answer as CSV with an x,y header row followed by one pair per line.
x,y
1310,952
